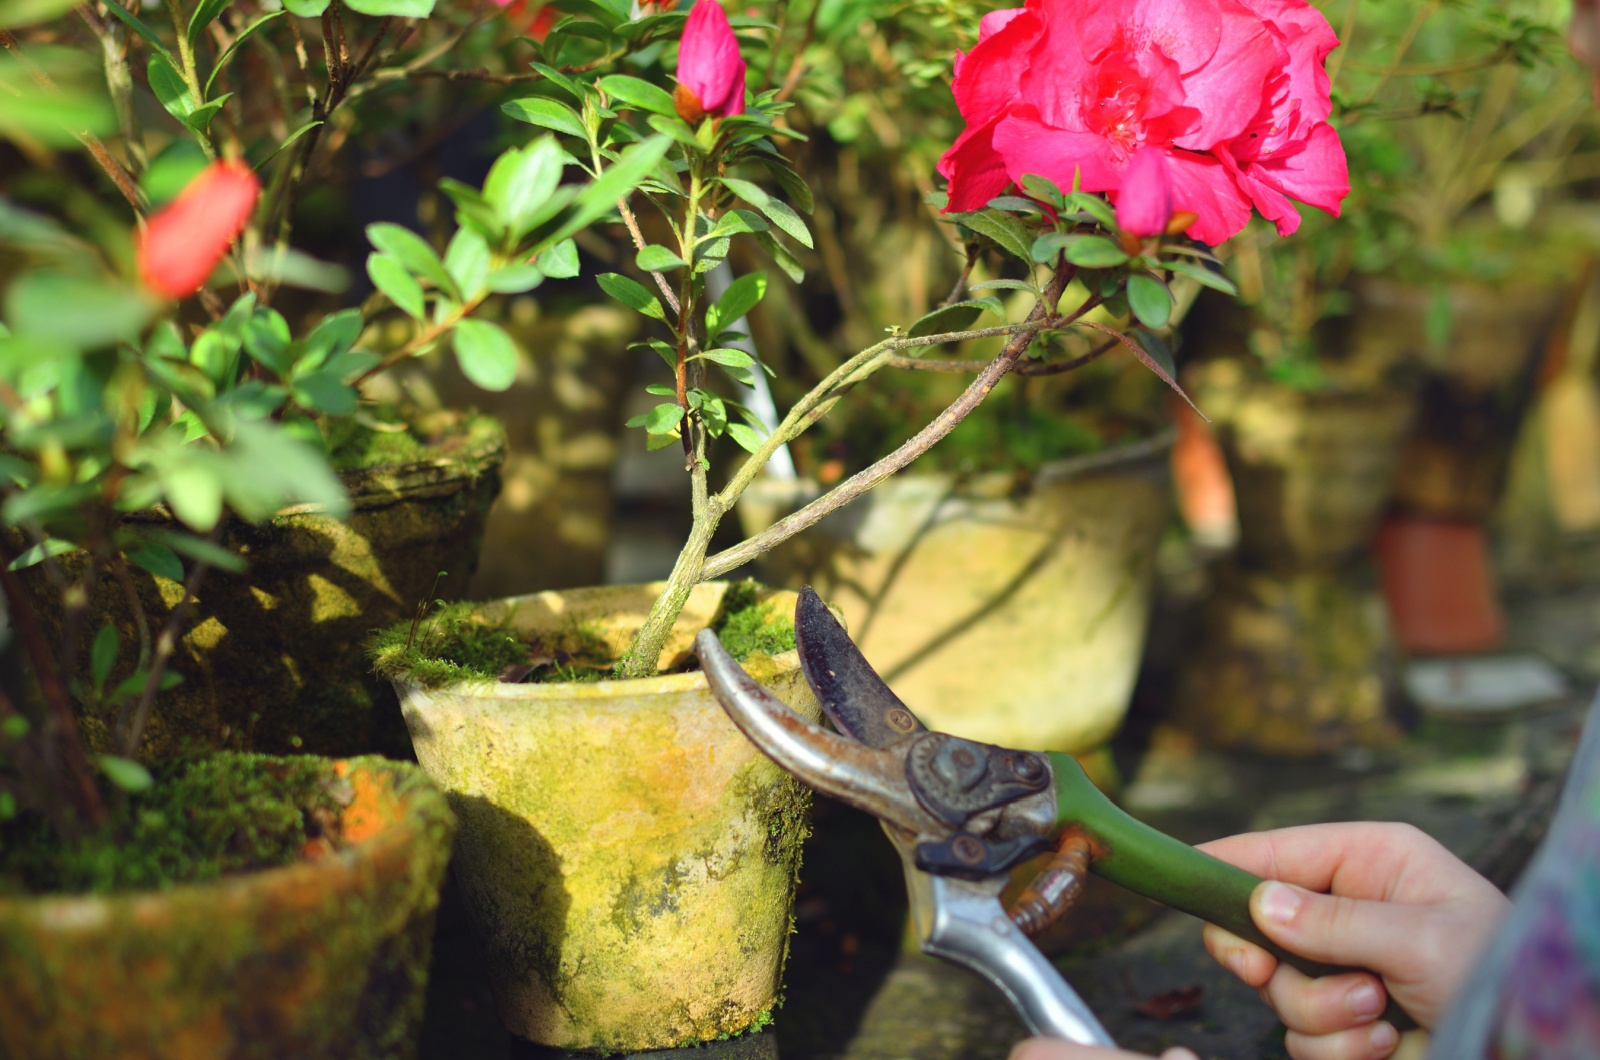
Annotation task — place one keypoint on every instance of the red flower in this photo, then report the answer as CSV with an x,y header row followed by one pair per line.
x,y
1224,102
710,71
184,242
539,26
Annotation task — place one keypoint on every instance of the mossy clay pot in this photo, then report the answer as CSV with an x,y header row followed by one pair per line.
x,y
626,856
274,659
1008,611
322,958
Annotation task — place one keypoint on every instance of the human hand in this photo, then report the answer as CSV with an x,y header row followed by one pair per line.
x,y
1384,897
1056,1049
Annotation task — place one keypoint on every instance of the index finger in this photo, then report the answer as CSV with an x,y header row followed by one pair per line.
x,y
1368,860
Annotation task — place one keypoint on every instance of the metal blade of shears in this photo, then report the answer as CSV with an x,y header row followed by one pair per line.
x,y
854,697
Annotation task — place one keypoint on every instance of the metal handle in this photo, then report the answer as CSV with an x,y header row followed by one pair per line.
x,y
962,921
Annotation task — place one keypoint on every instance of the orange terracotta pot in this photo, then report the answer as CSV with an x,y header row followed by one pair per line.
x,y
322,958
1439,586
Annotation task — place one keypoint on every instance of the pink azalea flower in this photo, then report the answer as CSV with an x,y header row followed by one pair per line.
x,y
1223,102
185,241
710,70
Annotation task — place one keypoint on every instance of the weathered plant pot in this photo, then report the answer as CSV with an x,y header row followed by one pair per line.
x,y
1475,389
1290,664
274,659
1310,471
1439,585
1008,611
626,856
323,958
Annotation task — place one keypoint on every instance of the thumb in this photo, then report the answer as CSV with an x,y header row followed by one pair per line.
x,y
1336,930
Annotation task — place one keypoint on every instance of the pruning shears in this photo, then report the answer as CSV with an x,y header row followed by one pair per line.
x,y
963,814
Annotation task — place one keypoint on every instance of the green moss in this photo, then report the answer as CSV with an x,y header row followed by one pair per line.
x,y
356,445
202,819
458,644
748,626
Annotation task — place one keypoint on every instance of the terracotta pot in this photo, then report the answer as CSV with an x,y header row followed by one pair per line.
x,y
274,659
1439,585
626,856
324,958
1200,479
1007,611
1310,471
1290,664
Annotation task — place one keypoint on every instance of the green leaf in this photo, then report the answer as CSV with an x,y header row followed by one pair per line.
x,y
515,279
639,94
1095,252
193,487
324,392
143,30
546,113
1006,232
287,140
1093,205
390,276
158,559
486,354
749,440
522,182
168,85
199,119
559,262
662,419
779,213
205,13
85,311
1044,189
1150,300
244,35
793,184
103,655
413,252
40,552
657,258
1145,359
306,8
1206,277
471,209
631,293
394,8
125,773
15,14
1007,285
467,260
198,548
733,223
957,317
332,336
674,127
781,256
616,183
266,467
728,358
742,295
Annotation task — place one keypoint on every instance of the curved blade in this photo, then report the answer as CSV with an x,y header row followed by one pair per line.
x,y
867,778
855,698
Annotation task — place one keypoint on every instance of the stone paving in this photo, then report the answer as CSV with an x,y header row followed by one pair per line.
x,y
853,994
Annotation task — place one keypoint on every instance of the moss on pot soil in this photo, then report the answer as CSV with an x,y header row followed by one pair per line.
x,y
458,643
201,819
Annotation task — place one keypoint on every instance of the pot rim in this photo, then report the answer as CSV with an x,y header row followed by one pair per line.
x,y
418,802
663,684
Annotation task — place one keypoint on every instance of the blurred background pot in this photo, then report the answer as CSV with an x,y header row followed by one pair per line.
x,y
1439,585
273,659
1004,608
322,958
626,856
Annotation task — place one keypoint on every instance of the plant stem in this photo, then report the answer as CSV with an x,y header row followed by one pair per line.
x,y
921,442
424,338
79,784
166,643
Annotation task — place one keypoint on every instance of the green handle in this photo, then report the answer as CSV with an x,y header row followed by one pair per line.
x,y
1152,863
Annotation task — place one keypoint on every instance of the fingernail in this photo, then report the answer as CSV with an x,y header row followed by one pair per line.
x,y
1365,1000
1178,1052
1383,1037
1279,902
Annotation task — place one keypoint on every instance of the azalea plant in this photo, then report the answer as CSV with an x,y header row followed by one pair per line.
x,y
1106,147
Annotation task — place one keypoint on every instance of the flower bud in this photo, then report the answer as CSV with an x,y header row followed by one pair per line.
x,y
710,71
1144,202
184,242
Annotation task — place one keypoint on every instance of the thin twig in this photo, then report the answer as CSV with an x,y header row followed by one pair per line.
x,y
918,444
639,243
166,643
